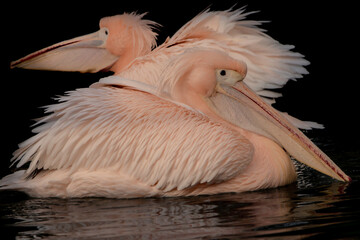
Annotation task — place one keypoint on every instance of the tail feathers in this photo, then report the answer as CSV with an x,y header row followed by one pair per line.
x,y
13,181
305,125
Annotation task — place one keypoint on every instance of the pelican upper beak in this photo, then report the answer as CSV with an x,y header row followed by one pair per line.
x,y
246,109
87,53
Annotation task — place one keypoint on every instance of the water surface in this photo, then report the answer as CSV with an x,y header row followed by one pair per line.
x,y
316,206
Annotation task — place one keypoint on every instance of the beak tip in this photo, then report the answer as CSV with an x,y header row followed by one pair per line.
x,y
348,179
343,177
13,64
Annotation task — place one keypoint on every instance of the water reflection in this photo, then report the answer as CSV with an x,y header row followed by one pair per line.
x,y
316,206
274,213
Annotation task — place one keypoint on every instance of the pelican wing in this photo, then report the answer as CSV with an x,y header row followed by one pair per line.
x,y
139,134
270,63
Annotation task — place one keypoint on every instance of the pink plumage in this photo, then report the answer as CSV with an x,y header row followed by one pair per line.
x,y
185,118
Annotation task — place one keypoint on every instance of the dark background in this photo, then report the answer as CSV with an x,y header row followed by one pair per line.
x,y
326,34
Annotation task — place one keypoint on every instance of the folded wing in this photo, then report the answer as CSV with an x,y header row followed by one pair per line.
x,y
153,140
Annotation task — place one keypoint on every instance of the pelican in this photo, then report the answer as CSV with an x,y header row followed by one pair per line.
x,y
191,116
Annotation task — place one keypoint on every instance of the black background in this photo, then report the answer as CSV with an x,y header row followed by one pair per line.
x,y
326,34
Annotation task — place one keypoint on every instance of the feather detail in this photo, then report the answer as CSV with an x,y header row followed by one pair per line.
x,y
305,125
270,63
135,133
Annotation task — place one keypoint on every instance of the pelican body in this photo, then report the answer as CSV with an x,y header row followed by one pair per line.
x,y
191,116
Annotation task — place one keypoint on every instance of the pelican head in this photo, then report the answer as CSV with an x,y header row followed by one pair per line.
x,y
119,40
212,82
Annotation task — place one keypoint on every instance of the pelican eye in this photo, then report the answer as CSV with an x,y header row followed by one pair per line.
x,y
104,33
228,77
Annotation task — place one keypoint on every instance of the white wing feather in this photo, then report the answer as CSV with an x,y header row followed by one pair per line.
x,y
155,141
270,63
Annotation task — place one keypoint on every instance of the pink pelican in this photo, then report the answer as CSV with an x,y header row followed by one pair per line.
x,y
192,116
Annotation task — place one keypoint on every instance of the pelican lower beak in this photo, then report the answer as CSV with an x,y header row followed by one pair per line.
x,y
87,53
246,109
